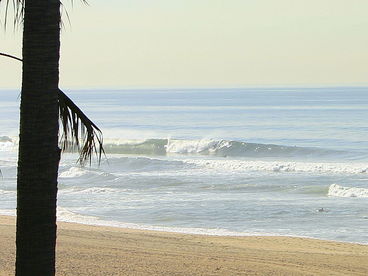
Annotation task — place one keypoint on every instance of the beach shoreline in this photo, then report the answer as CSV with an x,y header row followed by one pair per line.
x,y
100,250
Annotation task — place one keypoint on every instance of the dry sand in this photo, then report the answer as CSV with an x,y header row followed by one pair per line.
x,y
93,250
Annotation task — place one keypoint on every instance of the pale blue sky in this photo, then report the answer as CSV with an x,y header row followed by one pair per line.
x,y
208,43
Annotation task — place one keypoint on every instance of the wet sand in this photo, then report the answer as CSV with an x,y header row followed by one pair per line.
x,y
94,250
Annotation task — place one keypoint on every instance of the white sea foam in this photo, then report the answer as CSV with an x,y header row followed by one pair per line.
x,y
92,190
73,172
340,191
7,146
3,192
8,212
66,215
194,146
99,190
6,163
85,175
273,166
120,141
8,143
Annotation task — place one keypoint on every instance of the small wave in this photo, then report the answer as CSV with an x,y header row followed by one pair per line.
x,y
149,147
7,172
7,143
139,164
8,212
92,190
7,146
78,172
63,214
66,215
340,191
5,139
74,172
7,163
305,167
3,192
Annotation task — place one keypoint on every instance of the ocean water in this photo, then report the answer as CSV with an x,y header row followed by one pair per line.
x,y
275,161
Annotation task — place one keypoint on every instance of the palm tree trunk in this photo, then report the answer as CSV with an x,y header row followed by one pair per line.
x,y
39,153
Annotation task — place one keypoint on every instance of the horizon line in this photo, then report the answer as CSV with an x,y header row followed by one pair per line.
x,y
290,86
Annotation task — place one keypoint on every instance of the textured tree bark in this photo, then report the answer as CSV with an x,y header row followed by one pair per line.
x,y
39,153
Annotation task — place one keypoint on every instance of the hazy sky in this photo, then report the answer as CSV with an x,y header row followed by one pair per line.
x,y
207,43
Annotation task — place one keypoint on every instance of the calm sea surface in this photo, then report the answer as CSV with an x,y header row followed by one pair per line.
x,y
280,161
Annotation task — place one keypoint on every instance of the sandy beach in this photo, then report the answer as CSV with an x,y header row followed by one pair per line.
x,y
93,250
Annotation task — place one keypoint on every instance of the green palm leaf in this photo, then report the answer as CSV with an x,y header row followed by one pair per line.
x,y
78,132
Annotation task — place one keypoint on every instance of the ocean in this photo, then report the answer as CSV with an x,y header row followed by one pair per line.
x,y
252,161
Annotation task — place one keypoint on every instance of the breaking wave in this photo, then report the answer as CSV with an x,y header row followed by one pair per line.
x,y
203,147
340,191
220,148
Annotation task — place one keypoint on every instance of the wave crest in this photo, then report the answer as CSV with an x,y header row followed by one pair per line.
x,y
220,148
6,143
340,191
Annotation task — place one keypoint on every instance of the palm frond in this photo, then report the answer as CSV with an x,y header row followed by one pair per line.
x,y
64,10
10,56
78,131
18,11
